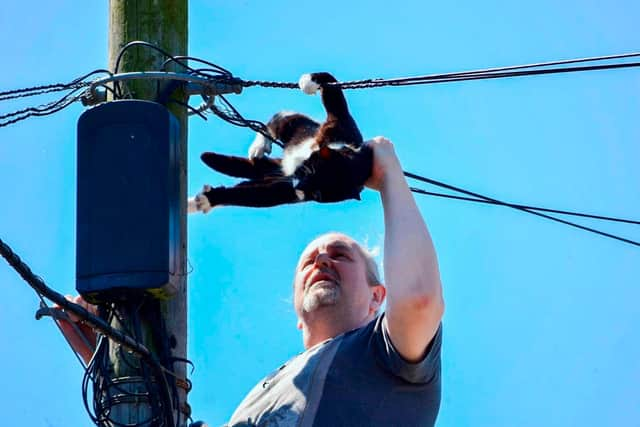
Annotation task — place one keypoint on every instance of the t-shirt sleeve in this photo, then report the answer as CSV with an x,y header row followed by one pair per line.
x,y
421,372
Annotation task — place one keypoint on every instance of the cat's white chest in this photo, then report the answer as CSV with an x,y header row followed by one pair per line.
x,y
295,156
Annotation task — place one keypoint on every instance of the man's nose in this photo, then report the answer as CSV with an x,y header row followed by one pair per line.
x,y
323,260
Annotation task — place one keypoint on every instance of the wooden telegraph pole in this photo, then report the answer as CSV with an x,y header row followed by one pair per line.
x,y
162,23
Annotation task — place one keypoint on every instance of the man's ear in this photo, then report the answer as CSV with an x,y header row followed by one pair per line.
x,y
299,325
378,294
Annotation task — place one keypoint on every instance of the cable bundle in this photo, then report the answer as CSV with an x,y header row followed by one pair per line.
x,y
482,74
103,390
72,96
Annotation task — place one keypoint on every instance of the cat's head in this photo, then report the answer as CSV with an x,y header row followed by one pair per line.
x,y
334,173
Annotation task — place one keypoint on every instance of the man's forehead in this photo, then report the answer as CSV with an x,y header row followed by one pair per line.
x,y
329,240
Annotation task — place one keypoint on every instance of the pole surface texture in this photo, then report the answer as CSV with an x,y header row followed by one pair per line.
x,y
162,23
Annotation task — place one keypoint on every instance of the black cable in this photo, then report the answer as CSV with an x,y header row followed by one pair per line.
x,y
231,115
10,93
144,44
51,107
546,64
488,73
214,67
38,90
149,45
420,80
43,110
513,205
155,402
43,91
190,108
552,218
139,386
90,376
94,321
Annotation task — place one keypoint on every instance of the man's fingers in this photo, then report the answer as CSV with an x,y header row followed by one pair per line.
x,y
81,302
72,316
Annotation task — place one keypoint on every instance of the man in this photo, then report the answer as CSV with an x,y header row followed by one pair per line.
x,y
360,368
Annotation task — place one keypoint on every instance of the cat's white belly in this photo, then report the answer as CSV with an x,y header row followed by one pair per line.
x,y
294,156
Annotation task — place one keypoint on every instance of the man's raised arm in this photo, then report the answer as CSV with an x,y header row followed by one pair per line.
x,y
414,294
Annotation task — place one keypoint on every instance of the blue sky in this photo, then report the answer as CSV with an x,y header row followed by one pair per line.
x,y
541,319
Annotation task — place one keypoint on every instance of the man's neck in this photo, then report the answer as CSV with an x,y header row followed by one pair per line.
x,y
315,331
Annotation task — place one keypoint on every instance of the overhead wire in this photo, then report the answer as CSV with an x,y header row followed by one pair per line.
x,y
230,114
535,208
49,108
162,401
41,110
520,208
487,73
37,90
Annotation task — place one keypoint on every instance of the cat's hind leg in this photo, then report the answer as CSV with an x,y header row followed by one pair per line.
x,y
260,194
241,167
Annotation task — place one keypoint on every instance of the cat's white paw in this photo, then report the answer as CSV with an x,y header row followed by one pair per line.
x,y
203,204
200,203
259,147
307,84
192,205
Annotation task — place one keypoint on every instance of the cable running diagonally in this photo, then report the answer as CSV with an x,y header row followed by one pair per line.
x,y
517,207
39,286
534,208
94,321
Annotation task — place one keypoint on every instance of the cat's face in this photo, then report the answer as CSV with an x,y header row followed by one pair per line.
x,y
335,174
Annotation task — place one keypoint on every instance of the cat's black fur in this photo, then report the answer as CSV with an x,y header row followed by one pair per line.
x,y
333,169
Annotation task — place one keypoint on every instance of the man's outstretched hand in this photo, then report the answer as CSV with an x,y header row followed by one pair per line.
x,y
386,166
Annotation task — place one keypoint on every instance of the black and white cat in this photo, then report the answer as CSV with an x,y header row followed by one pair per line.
x,y
324,162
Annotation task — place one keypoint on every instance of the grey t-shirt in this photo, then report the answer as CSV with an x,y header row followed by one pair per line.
x,y
355,379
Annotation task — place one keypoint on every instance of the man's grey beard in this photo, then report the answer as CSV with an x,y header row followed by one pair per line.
x,y
320,297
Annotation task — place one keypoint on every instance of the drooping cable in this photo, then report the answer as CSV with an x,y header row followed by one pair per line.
x,y
230,114
215,68
96,322
534,208
39,286
517,207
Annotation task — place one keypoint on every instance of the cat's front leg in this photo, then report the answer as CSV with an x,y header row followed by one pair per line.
x,y
259,147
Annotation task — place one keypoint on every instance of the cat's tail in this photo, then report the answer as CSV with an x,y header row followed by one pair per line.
x,y
241,167
332,97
